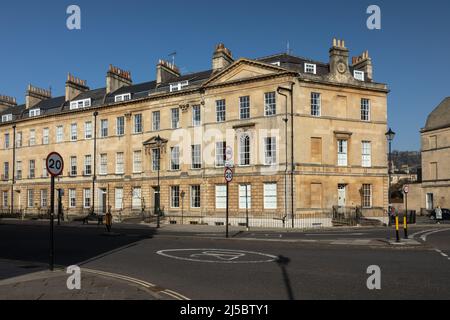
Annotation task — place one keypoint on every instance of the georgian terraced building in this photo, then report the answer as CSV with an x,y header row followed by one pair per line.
x,y
303,136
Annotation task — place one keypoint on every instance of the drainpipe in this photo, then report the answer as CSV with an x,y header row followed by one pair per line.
x,y
13,170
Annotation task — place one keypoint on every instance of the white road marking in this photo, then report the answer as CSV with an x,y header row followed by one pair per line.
x,y
142,283
419,232
195,257
424,236
334,234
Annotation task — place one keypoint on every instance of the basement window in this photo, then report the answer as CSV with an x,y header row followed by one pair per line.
x,y
310,68
35,112
78,104
178,86
358,75
122,97
7,117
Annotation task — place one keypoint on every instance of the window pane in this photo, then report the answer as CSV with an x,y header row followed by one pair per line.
x,y
270,104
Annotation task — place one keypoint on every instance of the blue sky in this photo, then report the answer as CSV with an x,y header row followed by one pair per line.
x,y
411,53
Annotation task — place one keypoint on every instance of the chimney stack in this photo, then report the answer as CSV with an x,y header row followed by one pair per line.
x,y
75,86
222,58
34,95
117,78
339,55
166,72
364,63
7,102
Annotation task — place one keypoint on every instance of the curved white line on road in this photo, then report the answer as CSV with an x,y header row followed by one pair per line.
x,y
425,236
420,232
272,258
142,283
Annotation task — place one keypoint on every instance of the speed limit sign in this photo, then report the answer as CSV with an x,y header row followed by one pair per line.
x,y
228,175
55,164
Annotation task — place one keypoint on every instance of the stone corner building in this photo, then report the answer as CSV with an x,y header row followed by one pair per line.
x,y
434,190
304,136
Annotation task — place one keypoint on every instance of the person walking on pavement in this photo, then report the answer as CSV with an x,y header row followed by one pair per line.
x,y
108,221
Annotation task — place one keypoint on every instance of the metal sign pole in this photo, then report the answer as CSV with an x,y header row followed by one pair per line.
x,y
52,213
226,219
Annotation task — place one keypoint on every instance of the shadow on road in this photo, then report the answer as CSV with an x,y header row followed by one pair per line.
x,y
73,244
283,263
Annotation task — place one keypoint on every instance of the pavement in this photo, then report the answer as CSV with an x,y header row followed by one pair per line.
x,y
198,262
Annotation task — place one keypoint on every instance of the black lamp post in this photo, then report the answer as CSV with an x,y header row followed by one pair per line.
x,y
182,206
390,135
158,195
94,177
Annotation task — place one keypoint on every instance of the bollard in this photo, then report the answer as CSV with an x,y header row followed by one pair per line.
x,y
396,229
405,226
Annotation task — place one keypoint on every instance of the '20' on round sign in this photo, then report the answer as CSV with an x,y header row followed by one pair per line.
x,y
55,164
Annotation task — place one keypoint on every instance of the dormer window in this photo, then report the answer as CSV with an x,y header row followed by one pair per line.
x,y
310,68
178,86
35,112
78,104
358,75
277,63
7,117
122,97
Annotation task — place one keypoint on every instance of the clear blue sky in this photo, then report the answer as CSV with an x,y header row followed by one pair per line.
x,y
411,53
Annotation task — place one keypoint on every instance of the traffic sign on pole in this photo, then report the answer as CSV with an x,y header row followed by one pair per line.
x,y
406,188
228,175
55,164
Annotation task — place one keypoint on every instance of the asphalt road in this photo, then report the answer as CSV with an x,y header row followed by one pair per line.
x,y
242,269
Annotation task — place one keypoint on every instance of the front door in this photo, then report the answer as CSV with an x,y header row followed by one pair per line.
x,y
430,201
156,199
342,195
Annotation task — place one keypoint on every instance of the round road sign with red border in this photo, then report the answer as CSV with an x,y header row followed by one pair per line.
x,y
228,175
406,189
55,164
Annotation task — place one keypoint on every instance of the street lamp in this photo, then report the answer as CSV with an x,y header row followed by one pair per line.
x,y
390,135
158,196
94,177
182,206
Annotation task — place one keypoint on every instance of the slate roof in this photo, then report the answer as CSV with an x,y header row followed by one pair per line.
x,y
440,117
99,97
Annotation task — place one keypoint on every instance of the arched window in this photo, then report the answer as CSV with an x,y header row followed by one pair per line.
x,y
244,150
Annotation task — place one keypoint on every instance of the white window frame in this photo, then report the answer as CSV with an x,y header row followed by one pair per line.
x,y
72,196
77,104
196,156
358,75
270,196
367,195
342,152
87,195
193,193
243,150
88,132
196,116
7,143
32,169
104,130
45,136
122,97
136,199
316,104
242,202
35,112
175,158
5,198
87,162
73,166
221,196
156,159
178,86
156,120
270,104
137,161
310,68
30,198
138,125
270,151
44,168
44,196
175,197
59,134
365,109
103,170
118,198
73,132
366,154
120,126
221,110
244,107
175,118
32,138
221,147
120,163
7,117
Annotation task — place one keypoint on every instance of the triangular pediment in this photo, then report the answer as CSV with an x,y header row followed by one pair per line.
x,y
243,69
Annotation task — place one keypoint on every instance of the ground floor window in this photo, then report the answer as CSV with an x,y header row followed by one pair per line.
x,y
5,199
118,198
72,198
367,195
195,196
245,196
270,196
44,198
175,196
87,198
30,198
137,198
221,197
